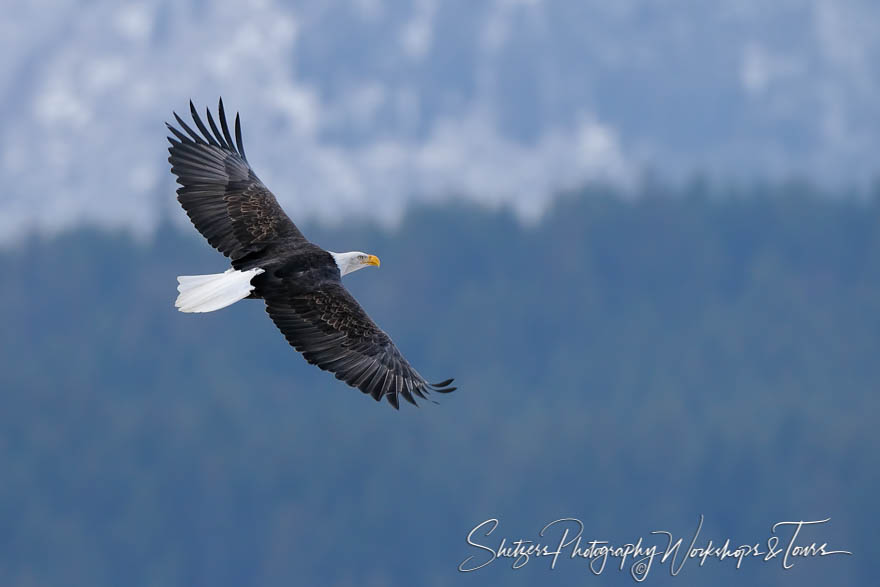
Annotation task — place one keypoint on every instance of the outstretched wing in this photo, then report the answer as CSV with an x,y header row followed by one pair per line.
x,y
332,331
222,195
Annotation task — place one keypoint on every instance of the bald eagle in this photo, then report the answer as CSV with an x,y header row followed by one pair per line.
x,y
300,282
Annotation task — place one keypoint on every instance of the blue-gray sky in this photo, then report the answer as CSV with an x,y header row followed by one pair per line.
x,y
355,107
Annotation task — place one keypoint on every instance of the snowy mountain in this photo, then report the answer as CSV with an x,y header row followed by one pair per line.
x,y
352,108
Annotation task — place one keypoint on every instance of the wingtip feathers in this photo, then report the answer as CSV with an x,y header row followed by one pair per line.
x,y
217,136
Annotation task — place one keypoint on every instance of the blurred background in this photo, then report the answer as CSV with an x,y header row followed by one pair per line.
x,y
645,240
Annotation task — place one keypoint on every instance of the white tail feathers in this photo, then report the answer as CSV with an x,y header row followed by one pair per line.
x,y
206,293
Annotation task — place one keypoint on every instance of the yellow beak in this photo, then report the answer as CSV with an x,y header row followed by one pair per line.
x,y
373,260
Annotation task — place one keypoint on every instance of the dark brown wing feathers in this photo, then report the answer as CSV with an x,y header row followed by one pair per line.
x,y
332,331
221,194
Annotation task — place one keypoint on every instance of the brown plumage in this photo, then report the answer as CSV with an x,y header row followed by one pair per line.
x,y
301,282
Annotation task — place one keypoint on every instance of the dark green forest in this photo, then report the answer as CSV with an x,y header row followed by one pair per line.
x,y
634,363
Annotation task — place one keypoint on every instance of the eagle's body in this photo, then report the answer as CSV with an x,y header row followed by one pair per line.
x,y
300,282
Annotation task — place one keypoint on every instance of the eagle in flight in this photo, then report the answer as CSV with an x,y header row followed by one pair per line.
x,y
300,282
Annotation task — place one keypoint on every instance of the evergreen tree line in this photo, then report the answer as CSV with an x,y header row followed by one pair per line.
x,y
634,363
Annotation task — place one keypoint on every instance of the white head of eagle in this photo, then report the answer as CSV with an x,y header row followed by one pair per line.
x,y
353,260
